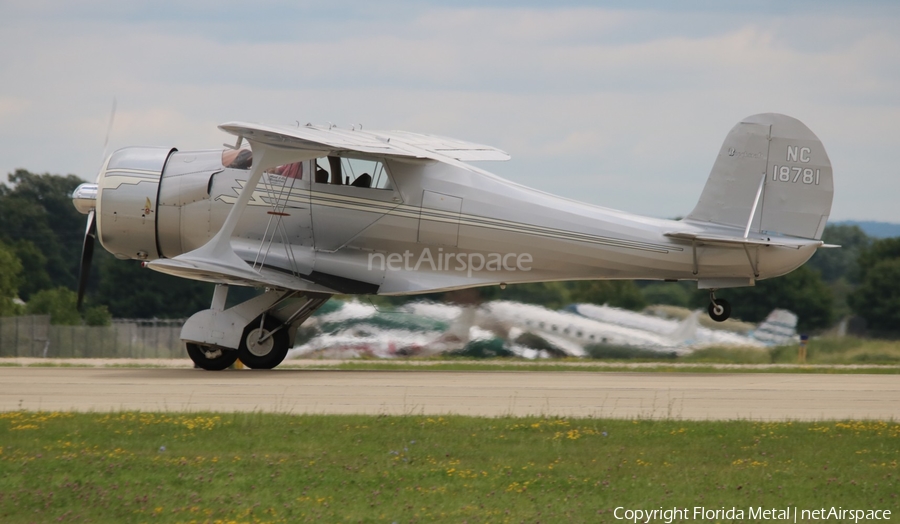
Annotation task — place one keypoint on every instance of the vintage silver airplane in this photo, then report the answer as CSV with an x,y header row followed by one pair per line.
x,y
310,211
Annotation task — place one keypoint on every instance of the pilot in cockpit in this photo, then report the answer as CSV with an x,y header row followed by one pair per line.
x,y
237,158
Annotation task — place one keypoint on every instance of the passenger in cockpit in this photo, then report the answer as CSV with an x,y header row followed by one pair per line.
x,y
363,180
237,158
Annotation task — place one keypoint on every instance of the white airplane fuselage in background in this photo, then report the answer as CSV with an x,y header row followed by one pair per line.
x,y
421,329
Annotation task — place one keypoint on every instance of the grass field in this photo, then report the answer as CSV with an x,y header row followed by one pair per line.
x,y
168,467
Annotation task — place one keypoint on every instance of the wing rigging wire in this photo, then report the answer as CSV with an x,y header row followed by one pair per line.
x,y
279,197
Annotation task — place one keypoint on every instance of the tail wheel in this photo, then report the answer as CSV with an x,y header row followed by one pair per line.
x,y
211,358
719,309
264,347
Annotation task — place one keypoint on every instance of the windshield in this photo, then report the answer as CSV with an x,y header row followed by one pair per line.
x,y
243,159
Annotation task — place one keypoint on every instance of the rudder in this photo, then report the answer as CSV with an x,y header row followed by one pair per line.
x,y
789,160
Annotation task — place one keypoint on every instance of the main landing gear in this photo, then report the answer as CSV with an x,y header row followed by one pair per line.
x,y
264,343
211,358
259,331
719,309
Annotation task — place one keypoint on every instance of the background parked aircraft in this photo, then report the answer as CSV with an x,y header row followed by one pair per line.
x,y
353,328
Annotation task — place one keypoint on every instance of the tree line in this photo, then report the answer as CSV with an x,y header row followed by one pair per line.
x,y
41,235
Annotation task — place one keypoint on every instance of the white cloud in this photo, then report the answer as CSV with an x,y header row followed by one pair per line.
x,y
624,108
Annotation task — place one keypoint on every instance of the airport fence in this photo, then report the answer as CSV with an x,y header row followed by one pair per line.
x,y
34,336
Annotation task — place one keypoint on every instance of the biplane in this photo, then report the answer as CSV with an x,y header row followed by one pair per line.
x,y
309,211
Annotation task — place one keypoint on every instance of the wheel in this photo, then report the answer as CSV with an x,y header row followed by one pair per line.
x,y
211,358
719,310
269,353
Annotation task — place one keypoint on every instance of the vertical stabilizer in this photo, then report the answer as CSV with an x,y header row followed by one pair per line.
x,y
789,160
686,332
780,327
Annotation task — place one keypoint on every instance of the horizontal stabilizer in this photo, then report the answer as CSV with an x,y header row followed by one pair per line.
x,y
725,240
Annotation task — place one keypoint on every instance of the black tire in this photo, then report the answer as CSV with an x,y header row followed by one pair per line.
x,y
278,348
723,314
211,358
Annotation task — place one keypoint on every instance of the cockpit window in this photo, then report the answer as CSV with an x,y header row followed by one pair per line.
x,y
243,159
354,172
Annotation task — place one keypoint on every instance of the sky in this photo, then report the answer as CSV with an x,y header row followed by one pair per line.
x,y
619,104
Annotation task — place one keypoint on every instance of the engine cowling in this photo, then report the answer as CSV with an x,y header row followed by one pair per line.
x,y
145,196
126,208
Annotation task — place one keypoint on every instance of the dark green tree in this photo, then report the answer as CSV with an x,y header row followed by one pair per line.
x,y
34,268
97,316
553,295
130,291
10,270
43,229
839,266
878,297
669,293
617,293
37,215
883,249
837,263
556,295
59,303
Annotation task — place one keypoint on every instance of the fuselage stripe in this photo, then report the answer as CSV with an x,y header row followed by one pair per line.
x,y
306,197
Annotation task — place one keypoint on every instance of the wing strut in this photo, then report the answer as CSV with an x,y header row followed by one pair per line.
x,y
217,256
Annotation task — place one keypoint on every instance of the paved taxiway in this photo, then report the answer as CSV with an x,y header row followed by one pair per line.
x,y
701,396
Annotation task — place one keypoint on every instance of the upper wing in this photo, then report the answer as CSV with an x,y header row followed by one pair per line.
x,y
384,143
451,147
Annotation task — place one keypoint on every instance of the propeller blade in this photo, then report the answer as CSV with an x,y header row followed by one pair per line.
x,y
112,118
87,254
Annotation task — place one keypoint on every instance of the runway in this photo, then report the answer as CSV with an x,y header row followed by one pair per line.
x,y
689,396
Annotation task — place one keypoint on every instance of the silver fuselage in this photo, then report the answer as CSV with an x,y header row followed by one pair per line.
x,y
436,226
